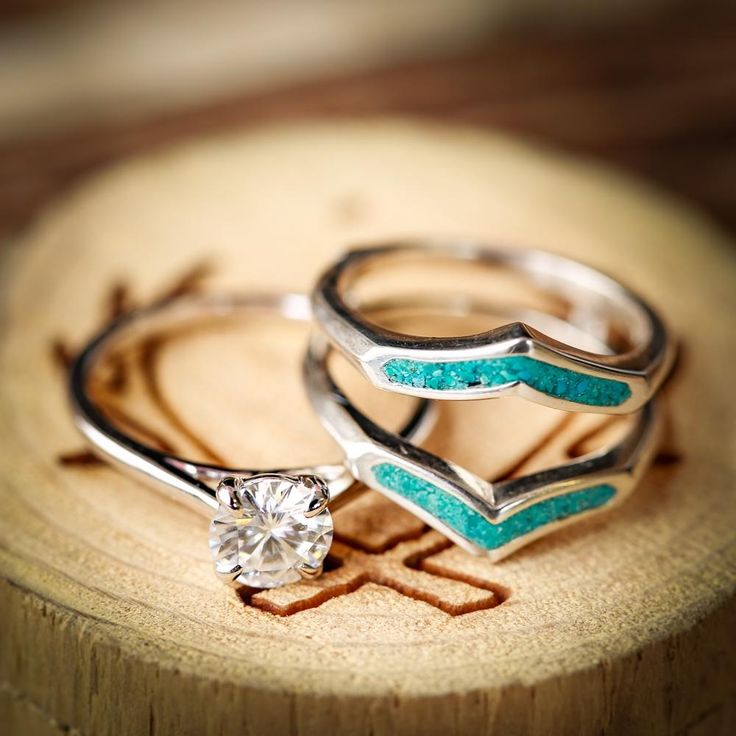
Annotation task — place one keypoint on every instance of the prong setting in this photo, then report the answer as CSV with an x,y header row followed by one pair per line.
x,y
227,493
270,529
229,576
320,494
310,573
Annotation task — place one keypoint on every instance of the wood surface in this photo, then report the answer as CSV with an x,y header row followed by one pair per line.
x,y
113,622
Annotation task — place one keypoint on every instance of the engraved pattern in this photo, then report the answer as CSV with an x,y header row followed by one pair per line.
x,y
406,565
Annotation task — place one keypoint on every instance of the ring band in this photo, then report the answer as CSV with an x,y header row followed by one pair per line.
x,y
297,499
491,518
515,359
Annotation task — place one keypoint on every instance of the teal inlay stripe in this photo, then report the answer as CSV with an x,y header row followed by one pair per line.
x,y
561,383
470,524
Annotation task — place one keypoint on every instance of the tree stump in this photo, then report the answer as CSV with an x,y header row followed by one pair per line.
x,y
112,620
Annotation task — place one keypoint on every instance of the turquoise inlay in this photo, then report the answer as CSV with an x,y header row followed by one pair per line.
x,y
548,379
470,524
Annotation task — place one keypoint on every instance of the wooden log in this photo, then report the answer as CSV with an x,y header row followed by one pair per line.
x,y
113,622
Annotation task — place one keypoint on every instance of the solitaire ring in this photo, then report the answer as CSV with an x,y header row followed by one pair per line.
x,y
482,517
269,528
515,359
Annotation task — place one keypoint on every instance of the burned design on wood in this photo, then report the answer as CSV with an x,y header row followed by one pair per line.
x,y
406,567
111,387
375,543
78,459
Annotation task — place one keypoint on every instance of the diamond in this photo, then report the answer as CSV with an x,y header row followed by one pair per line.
x,y
270,530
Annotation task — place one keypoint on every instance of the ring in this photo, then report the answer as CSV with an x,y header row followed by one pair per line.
x,y
515,359
482,517
270,527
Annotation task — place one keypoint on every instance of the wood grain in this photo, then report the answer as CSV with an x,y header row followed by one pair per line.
x,y
112,620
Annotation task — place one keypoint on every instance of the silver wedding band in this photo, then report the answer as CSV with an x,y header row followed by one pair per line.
x,y
515,359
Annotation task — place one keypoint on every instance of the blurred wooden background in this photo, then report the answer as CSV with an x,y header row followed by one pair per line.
x,y
654,93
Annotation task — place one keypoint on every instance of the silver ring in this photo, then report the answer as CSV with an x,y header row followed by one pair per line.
x,y
515,359
482,517
246,502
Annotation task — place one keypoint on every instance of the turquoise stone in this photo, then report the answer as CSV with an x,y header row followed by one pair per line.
x,y
470,524
561,383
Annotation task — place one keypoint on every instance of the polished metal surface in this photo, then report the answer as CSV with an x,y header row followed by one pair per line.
x,y
595,301
367,445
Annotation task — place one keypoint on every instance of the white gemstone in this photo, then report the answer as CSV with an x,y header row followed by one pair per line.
x,y
269,537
